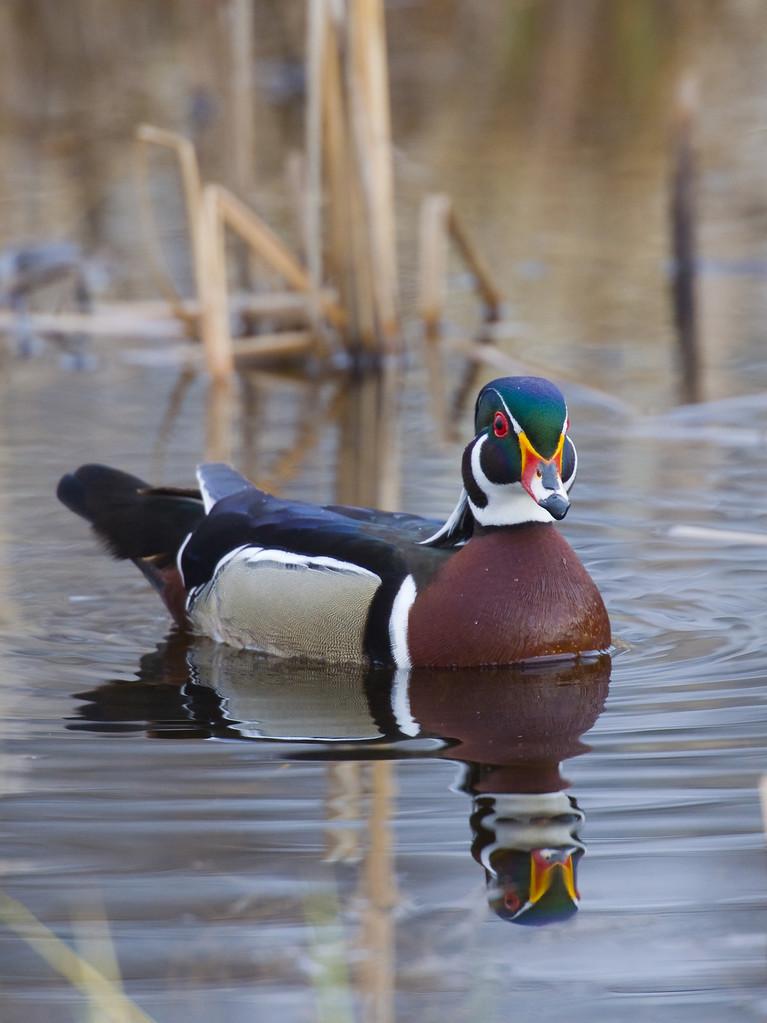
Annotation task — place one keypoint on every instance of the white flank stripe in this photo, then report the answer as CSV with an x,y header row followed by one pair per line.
x,y
304,560
221,564
398,622
400,703
178,556
252,554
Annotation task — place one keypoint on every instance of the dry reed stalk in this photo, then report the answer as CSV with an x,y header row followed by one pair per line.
x,y
235,215
483,283
216,336
316,37
148,135
347,250
287,342
241,93
275,304
105,324
222,210
113,1003
439,224
368,87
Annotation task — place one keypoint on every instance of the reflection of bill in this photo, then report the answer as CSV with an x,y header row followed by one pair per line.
x,y
529,846
509,728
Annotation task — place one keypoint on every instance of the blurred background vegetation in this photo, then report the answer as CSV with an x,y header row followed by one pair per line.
x,y
548,122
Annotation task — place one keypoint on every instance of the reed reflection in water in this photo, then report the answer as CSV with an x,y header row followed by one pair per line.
x,y
233,862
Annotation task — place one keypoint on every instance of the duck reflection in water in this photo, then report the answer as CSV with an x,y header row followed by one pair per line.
x,y
509,729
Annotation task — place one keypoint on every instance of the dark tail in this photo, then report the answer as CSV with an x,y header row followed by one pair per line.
x,y
136,521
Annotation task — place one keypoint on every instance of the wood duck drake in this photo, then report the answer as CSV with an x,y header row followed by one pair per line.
x,y
495,584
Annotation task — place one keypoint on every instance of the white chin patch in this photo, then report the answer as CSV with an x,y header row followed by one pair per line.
x,y
508,504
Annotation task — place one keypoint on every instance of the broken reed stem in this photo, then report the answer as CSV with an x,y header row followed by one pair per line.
x,y
433,263
488,292
221,210
683,216
234,214
147,135
439,224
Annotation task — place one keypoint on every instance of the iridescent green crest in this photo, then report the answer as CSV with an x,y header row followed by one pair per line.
x,y
535,403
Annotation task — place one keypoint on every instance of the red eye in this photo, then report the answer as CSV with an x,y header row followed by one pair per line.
x,y
512,901
500,425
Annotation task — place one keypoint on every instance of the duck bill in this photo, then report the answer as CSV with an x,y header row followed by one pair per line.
x,y
552,870
542,480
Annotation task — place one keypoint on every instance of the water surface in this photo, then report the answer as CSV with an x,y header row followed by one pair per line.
x,y
231,839
161,800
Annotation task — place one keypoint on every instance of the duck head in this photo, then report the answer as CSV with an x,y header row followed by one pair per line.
x,y
529,845
520,465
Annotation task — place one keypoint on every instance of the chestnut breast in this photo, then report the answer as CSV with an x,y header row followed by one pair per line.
x,y
511,594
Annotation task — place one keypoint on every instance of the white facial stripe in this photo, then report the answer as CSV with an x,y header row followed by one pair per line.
x,y
518,429
508,504
398,622
569,482
512,420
